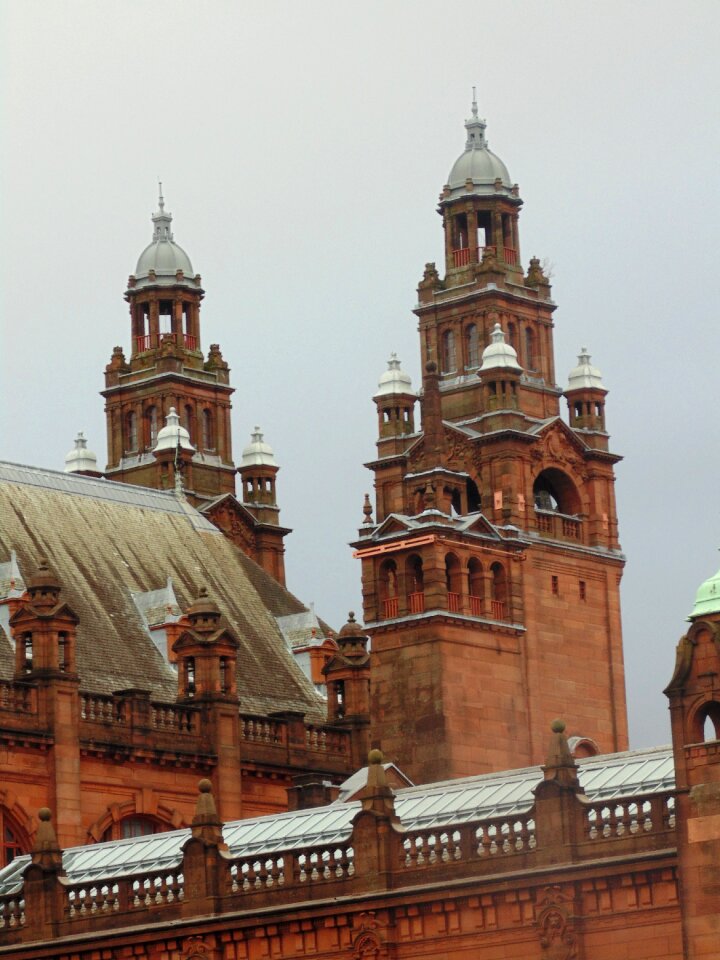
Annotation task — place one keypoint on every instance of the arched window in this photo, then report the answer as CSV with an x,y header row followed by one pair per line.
x,y
131,432
133,826
14,842
415,584
529,349
207,430
707,723
151,417
449,356
512,336
472,346
498,603
476,586
452,582
554,490
188,420
389,589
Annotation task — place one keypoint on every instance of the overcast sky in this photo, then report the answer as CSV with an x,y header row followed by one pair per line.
x,y
302,147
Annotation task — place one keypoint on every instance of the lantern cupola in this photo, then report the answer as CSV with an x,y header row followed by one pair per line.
x,y
585,395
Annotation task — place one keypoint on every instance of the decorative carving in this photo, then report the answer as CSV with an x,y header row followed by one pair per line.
x,y
235,527
195,948
555,926
535,275
367,942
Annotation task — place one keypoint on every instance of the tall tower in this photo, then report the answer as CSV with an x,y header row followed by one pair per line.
x,y
491,571
168,369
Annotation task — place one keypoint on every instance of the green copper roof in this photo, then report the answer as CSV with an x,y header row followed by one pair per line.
x,y
707,599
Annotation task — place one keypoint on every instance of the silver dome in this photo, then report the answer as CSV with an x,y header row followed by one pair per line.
x,y
478,163
163,256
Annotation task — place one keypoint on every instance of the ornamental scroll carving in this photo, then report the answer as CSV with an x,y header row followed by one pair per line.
x,y
555,926
195,948
227,520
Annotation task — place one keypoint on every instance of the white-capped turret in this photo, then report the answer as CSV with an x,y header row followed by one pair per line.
x,y
584,376
394,380
257,452
173,434
80,459
499,354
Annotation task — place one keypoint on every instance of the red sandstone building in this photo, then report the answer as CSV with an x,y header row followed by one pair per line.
x,y
157,646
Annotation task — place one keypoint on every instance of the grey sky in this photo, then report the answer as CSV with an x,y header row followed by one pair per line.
x,y
302,147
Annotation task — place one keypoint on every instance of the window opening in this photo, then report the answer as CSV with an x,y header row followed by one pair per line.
x,y
582,590
555,583
449,354
473,346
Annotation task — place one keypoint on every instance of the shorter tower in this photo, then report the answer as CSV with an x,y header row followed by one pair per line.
x,y
347,675
694,695
82,460
168,369
585,395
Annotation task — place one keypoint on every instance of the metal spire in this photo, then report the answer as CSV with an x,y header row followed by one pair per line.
x,y
474,104
161,199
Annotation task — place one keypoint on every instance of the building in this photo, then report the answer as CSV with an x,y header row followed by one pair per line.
x,y
490,572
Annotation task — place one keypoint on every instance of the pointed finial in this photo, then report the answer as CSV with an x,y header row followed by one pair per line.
x,y
367,510
474,103
161,199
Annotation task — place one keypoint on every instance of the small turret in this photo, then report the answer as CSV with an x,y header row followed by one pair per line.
x,y
500,373
174,452
347,675
81,460
395,400
206,654
585,394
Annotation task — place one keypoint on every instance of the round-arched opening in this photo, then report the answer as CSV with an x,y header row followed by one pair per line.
x,y
136,825
388,589
476,587
453,581
554,490
415,583
706,723
499,588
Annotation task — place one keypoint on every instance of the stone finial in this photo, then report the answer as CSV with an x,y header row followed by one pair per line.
x,y
376,796
352,639
560,764
46,851
43,586
206,824
535,275
204,614
367,510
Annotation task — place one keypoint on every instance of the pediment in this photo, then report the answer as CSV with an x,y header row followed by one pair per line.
x,y
559,446
234,520
480,524
393,524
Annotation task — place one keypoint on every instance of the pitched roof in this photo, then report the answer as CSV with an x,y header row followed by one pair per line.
x,y
107,541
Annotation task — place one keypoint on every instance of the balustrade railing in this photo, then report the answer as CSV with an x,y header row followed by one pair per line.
x,y
461,257
453,602
326,741
476,606
12,911
262,729
498,610
17,697
500,836
629,816
100,708
390,608
174,719
151,341
416,602
135,892
510,256
558,525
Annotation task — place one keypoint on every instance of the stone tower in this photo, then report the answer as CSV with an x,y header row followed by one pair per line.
x,y
491,570
168,369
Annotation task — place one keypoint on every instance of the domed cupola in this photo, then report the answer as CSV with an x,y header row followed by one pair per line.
x,y
477,170
707,599
479,205
585,394
163,262
500,373
395,401
257,452
80,459
394,380
499,354
173,435
584,375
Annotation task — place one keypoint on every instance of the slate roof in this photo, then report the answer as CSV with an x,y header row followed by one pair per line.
x,y
448,803
107,541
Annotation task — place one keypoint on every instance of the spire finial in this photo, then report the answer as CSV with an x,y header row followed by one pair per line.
x,y
474,102
161,198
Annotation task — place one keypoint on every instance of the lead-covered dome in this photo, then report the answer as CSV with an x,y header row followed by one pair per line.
x,y
163,257
173,435
499,354
707,599
584,376
478,164
258,453
394,380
